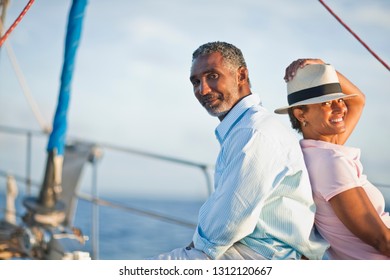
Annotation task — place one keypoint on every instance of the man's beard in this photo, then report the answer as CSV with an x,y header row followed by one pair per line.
x,y
220,110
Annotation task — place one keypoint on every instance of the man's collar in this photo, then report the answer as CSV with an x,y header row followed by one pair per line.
x,y
235,114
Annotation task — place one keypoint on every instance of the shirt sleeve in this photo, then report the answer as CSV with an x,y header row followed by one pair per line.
x,y
336,174
247,169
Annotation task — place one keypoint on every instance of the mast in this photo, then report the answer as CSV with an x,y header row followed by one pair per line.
x,y
3,8
48,201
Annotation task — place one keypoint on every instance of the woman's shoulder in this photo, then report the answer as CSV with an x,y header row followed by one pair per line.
x,y
319,148
330,149
320,155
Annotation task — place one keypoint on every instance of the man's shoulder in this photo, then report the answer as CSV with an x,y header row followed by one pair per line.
x,y
257,117
271,130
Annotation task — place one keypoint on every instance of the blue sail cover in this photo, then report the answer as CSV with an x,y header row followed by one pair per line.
x,y
75,20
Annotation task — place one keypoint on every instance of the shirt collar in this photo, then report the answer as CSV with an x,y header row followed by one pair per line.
x,y
235,114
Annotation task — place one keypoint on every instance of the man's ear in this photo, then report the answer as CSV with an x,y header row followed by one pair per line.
x,y
242,74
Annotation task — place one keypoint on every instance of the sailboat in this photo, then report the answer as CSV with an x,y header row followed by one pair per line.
x,y
46,228
46,232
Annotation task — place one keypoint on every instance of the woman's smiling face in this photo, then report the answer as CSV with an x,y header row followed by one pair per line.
x,y
324,121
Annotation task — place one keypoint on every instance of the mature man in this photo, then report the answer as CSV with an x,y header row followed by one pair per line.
x,y
262,206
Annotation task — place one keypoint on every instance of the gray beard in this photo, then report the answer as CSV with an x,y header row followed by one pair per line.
x,y
218,114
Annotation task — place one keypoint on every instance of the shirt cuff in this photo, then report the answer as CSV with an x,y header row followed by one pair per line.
x,y
212,250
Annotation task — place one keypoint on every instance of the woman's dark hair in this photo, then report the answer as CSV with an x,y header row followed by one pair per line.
x,y
295,123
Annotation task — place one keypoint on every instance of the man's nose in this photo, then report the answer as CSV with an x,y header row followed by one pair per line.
x,y
204,88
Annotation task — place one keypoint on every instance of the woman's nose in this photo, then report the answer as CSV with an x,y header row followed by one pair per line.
x,y
338,106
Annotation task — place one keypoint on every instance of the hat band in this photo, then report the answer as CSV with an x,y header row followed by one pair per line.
x,y
313,92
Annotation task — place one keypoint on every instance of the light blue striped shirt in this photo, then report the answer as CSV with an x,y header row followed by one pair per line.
x,y
262,194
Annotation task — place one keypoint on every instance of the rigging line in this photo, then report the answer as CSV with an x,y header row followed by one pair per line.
x,y
3,7
22,81
356,36
26,91
16,22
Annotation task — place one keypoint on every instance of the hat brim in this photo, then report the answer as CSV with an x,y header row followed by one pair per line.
x,y
315,100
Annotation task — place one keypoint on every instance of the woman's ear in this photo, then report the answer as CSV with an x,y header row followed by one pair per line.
x,y
299,114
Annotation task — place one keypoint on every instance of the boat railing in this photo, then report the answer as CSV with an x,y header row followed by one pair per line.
x,y
31,184
26,178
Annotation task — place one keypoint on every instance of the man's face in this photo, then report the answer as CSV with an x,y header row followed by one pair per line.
x,y
214,84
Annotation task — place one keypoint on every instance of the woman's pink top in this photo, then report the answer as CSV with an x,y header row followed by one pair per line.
x,y
334,169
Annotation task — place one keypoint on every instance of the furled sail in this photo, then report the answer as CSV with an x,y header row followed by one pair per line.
x,y
56,145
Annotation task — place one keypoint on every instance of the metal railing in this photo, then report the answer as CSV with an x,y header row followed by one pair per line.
x,y
93,197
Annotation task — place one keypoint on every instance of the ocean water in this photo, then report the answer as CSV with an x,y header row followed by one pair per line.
x,y
132,236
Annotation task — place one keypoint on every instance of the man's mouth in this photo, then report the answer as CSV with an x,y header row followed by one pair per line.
x,y
209,101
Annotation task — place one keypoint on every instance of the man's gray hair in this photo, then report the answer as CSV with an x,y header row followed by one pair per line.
x,y
231,54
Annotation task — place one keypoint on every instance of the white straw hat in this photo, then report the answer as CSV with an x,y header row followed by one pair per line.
x,y
314,83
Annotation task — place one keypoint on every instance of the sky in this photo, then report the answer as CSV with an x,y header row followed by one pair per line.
x,y
131,81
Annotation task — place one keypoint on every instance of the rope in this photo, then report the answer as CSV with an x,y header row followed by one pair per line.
x,y
46,128
16,22
357,37
22,81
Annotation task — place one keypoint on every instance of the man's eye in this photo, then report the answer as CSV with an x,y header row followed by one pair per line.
x,y
340,100
195,82
213,76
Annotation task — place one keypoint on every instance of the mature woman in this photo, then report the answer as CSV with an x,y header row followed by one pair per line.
x,y
325,107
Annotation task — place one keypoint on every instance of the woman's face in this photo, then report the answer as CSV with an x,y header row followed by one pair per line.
x,y
324,121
